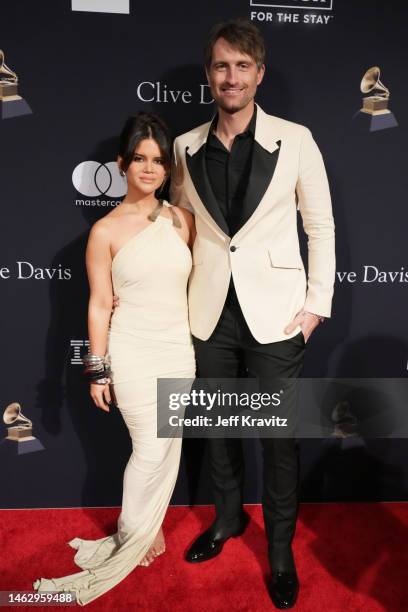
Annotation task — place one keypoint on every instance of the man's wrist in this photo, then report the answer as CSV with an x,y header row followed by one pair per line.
x,y
318,317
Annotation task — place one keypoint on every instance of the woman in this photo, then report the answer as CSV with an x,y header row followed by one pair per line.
x,y
140,251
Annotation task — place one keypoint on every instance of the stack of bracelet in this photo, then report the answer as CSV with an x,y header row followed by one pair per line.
x,y
97,369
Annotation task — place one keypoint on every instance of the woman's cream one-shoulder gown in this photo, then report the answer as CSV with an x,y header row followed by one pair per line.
x,y
149,338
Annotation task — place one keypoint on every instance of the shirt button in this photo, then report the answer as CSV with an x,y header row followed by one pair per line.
x,y
233,248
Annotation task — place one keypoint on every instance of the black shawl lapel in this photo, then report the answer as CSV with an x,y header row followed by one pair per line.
x,y
198,171
261,174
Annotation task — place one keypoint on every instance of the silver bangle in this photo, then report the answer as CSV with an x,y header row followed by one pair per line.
x,y
101,381
91,358
95,363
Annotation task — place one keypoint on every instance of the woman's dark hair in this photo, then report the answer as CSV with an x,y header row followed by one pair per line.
x,y
241,34
140,127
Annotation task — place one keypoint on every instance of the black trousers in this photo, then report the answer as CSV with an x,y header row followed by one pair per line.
x,y
231,350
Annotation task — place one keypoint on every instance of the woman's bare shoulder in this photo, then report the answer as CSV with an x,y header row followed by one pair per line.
x,y
185,214
102,229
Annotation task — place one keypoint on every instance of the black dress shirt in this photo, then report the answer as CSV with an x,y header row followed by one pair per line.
x,y
228,171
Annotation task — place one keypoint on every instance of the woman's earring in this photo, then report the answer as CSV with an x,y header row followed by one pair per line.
x,y
122,173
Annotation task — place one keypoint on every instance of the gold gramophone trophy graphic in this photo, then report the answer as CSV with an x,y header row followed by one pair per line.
x,y
345,422
11,104
20,431
344,431
375,106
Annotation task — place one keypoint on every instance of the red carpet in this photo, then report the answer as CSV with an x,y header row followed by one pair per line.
x,y
350,558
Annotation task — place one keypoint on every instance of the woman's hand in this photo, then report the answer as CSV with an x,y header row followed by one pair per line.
x,y
115,302
101,396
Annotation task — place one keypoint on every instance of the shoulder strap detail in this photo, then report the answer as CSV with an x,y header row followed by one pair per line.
x,y
156,212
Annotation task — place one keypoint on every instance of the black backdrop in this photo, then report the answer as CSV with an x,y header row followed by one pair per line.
x,y
82,73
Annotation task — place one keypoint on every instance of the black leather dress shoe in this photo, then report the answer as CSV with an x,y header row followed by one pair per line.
x,y
284,589
210,543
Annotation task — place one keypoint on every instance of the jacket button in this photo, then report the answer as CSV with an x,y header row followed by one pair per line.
x,y
233,248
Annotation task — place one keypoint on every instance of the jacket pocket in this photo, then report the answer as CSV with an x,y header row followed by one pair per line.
x,y
289,261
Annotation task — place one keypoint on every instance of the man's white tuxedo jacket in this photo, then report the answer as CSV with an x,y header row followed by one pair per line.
x,y
263,256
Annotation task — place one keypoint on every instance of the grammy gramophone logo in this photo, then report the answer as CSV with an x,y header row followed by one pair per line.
x,y
11,104
375,105
20,430
345,422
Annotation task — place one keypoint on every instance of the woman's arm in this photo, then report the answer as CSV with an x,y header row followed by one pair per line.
x,y
189,222
192,230
98,265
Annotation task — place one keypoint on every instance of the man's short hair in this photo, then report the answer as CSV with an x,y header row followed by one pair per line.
x,y
241,34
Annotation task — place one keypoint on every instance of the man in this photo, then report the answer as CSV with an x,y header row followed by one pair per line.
x,y
251,307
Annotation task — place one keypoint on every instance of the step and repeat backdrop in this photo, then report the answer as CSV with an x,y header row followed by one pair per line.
x,y
70,74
